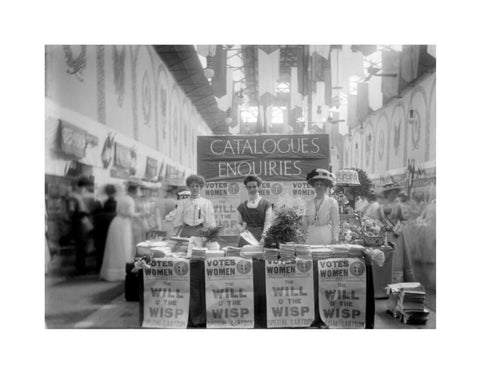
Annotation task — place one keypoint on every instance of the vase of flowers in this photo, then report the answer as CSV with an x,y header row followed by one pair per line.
x,y
210,235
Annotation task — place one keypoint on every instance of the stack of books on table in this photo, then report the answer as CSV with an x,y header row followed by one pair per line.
x,y
320,252
340,251
271,254
287,251
303,252
250,252
407,302
232,250
199,253
215,254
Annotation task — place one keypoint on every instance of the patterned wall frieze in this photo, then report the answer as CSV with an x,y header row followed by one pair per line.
x,y
101,111
76,63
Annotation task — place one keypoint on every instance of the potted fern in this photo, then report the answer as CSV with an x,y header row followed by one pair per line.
x,y
210,235
287,225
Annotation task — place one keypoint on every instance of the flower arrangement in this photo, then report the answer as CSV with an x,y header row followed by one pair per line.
x,y
211,234
287,225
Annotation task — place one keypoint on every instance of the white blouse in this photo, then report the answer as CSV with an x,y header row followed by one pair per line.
x,y
194,211
325,213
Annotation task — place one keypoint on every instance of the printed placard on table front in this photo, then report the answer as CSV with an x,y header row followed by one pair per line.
x,y
166,293
229,292
342,292
290,293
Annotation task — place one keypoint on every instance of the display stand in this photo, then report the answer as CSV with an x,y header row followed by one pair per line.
x,y
197,309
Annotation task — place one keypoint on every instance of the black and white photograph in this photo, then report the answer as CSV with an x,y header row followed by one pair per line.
x,y
240,186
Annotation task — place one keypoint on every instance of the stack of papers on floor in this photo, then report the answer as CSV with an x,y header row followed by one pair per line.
x,y
407,302
320,252
287,251
271,254
249,252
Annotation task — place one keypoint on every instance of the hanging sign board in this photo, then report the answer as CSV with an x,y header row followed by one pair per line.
x,y
229,293
166,293
342,294
290,293
272,157
151,168
73,140
122,156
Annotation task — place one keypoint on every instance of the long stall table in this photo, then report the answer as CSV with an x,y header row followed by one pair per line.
x,y
197,317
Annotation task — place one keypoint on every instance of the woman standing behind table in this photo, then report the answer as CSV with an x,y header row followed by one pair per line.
x,y
255,214
322,215
194,213
120,246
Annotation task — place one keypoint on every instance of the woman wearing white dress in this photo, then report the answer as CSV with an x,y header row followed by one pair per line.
x,y
120,246
322,215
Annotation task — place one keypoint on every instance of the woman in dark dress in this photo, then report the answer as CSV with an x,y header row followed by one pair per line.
x,y
256,214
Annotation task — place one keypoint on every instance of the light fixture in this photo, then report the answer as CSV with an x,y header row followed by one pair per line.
x,y
208,71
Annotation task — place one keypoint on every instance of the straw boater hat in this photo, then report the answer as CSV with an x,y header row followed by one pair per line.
x,y
321,174
389,187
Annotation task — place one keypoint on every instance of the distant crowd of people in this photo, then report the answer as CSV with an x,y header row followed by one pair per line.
x,y
108,224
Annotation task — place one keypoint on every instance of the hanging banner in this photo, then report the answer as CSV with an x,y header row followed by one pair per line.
x,y
229,293
151,168
272,157
342,293
122,157
166,293
290,294
73,140
226,197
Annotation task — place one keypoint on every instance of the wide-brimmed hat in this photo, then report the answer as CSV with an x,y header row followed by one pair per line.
x,y
321,174
389,187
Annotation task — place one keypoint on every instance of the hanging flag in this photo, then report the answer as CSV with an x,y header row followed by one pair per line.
x,y
426,61
219,80
352,66
326,77
390,65
206,50
302,70
409,60
268,69
322,50
225,102
316,67
352,111
295,97
375,97
366,50
337,68
362,101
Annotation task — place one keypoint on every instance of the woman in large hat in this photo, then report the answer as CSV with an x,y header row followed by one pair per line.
x,y
322,215
390,211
